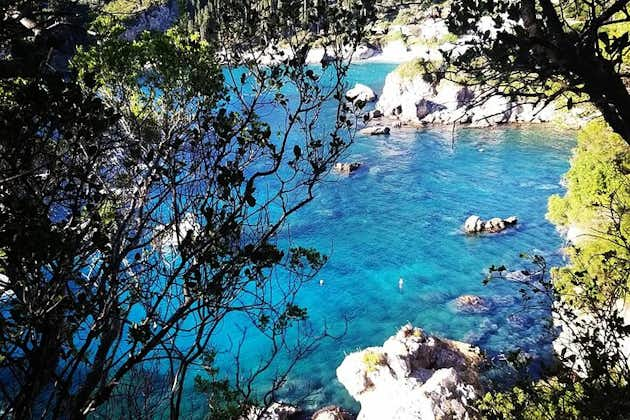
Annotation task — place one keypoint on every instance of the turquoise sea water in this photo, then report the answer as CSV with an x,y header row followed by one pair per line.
x,y
401,216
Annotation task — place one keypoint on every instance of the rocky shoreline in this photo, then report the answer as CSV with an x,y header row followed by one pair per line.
x,y
412,376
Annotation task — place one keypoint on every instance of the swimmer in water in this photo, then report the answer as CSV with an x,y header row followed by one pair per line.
x,y
321,282
400,283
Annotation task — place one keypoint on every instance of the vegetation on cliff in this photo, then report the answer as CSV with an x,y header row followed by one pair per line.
x,y
588,296
595,206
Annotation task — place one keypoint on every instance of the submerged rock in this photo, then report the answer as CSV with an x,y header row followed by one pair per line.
x,y
472,303
346,168
413,376
377,130
474,224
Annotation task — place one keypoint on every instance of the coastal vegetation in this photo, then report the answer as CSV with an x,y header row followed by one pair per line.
x,y
147,177
142,198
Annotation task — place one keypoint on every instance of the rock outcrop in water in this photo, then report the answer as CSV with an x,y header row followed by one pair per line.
x,y
413,376
346,168
376,130
474,224
360,94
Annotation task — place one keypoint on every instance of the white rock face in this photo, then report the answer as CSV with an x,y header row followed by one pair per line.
x,y
474,224
361,93
332,412
5,293
413,376
402,99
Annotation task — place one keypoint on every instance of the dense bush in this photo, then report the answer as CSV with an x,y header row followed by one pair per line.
x,y
598,192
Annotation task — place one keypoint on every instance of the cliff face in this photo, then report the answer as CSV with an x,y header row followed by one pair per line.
x,y
155,18
413,376
412,99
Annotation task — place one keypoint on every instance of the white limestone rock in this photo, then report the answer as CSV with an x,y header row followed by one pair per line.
x,y
415,377
361,93
413,100
363,52
346,168
332,412
474,224
276,411
376,130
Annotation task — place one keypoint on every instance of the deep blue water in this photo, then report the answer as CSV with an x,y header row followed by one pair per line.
x,y
402,216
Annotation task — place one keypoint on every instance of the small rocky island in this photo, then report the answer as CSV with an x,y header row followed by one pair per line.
x,y
474,224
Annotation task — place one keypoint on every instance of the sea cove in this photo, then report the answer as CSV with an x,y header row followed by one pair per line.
x,y
401,216
314,210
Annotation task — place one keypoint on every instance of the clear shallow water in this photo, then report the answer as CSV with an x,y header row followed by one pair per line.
x,y
401,216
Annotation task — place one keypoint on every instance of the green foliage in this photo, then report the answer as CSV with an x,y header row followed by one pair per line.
x,y
547,399
127,8
408,16
598,191
129,209
372,360
590,379
430,71
225,402
541,46
393,36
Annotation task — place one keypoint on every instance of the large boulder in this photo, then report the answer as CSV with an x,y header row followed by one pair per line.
x,y
474,224
346,168
401,95
413,376
426,107
360,93
363,52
